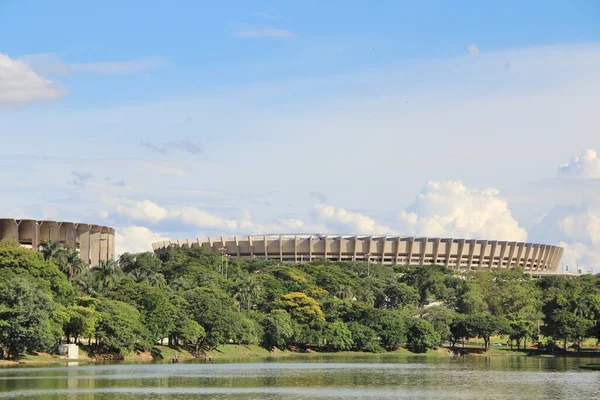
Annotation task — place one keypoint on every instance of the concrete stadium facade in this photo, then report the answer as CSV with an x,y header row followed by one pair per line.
x,y
452,253
95,243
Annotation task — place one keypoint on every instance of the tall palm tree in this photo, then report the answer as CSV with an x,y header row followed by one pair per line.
x,y
50,250
139,276
246,289
345,293
157,280
107,274
69,262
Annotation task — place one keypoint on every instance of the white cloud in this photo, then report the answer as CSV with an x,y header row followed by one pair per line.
x,y
577,229
473,49
450,209
263,32
136,239
586,165
280,225
195,217
21,85
144,210
348,222
51,63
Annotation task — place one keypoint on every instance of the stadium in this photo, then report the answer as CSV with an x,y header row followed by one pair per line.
x,y
458,254
95,243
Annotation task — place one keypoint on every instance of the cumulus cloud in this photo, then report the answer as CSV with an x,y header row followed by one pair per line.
x,y
21,85
577,229
187,146
449,208
149,211
280,225
344,221
136,239
585,165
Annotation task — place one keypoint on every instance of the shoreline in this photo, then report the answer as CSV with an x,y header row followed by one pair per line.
x,y
232,353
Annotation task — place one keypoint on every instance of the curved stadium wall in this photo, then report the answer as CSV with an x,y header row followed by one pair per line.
x,y
390,250
95,243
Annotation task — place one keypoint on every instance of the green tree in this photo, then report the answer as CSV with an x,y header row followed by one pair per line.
x,y
337,336
421,336
390,326
107,274
484,325
120,329
51,249
277,330
25,316
563,325
364,338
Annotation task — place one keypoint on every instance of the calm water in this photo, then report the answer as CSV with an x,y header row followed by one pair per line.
x,y
314,378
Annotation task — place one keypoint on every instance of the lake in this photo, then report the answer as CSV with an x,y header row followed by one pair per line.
x,y
312,377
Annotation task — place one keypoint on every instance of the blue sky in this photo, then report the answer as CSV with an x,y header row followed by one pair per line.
x,y
189,119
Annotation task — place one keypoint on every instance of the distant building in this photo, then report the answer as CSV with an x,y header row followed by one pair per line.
x,y
459,254
95,243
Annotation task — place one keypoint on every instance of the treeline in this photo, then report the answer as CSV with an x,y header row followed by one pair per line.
x,y
198,299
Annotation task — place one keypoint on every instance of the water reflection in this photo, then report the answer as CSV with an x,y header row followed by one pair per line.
x,y
323,378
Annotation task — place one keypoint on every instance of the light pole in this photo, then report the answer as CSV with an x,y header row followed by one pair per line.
x,y
222,249
368,255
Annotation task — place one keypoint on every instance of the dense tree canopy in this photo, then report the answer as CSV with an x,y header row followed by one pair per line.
x,y
195,298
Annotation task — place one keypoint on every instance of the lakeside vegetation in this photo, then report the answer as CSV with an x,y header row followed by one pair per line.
x,y
196,302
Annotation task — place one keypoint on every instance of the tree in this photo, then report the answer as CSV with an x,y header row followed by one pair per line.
x,y
484,325
50,250
421,336
107,274
563,325
245,290
337,336
429,280
521,330
69,262
277,330
399,295
25,316
390,326
213,309
440,318
364,338
120,329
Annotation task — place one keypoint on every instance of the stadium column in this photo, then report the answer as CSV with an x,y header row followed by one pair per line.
x,y
266,247
398,243
459,254
424,242
492,253
355,247
409,249
9,229
83,237
511,253
436,250
325,249
482,250
383,243
296,248
111,244
472,244
502,254
341,240
237,245
520,248
95,236
280,248
534,255
449,244
527,253
310,248
251,246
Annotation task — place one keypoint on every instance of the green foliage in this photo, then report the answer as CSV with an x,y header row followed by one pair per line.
x,y
120,329
186,296
278,330
364,338
26,322
421,336
337,336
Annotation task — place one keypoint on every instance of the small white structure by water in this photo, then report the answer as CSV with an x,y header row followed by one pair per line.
x,y
70,350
